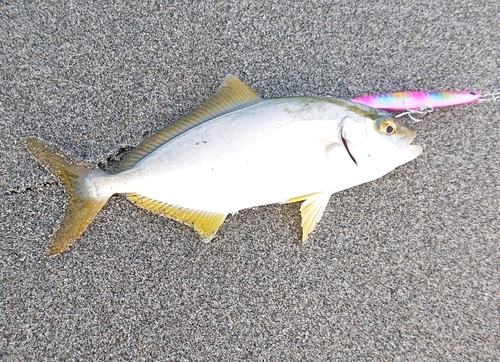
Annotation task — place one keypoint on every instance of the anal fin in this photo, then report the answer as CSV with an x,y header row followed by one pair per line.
x,y
204,222
311,211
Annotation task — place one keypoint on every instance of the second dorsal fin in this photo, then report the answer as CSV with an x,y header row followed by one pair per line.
x,y
232,95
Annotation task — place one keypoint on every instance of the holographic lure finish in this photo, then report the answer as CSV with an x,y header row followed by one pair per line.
x,y
407,101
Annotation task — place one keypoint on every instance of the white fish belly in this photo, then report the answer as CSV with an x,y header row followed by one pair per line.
x,y
269,153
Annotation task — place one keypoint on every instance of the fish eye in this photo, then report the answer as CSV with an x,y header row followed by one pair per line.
x,y
388,127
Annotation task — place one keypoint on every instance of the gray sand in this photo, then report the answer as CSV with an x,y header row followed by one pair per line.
x,y
406,267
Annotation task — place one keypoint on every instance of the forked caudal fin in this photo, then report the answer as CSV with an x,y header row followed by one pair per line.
x,y
82,208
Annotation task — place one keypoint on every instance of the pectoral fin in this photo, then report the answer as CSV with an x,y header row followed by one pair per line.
x,y
311,211
301,198
206,223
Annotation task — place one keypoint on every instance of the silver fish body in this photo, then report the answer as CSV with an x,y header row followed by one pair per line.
x,y
238,151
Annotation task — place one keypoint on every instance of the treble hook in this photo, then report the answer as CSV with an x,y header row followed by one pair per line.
x,y
489,97
410,112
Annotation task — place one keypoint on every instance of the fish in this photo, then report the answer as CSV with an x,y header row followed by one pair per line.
x,y
415,100
237,151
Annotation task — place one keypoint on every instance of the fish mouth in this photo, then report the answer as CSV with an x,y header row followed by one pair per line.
x,y
415,150
405,144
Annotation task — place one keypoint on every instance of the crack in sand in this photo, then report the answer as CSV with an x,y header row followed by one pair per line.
x,y
29,188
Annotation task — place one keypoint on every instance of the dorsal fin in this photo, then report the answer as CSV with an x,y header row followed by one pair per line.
x,y
206,223
232,95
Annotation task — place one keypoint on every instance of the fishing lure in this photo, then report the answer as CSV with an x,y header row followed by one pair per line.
x,y
423,102
408,101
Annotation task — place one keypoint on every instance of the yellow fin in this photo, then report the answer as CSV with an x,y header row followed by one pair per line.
x,y
300,198
77,218
81,210
206,223
232,95
311,211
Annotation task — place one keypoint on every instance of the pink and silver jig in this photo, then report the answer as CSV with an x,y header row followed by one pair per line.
x,y
423,102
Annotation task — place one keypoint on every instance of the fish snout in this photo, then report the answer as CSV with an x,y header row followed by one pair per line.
x,y
404,143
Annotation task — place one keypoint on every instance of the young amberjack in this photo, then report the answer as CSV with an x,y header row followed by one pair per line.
x,y
237,151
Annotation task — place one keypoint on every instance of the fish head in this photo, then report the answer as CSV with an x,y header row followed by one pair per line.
x,y
377,142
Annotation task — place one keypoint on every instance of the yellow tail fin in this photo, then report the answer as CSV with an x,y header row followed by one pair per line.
x,y
82,209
